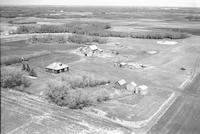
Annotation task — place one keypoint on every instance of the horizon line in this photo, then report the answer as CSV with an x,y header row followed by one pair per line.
x,y
99,6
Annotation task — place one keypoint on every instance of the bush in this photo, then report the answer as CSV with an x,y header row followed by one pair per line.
x,y
23,67
84,81
101,95
68,91
32,73
61,94
12,77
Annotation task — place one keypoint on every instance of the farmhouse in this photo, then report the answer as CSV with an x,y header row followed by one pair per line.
x,y
121,84
57,67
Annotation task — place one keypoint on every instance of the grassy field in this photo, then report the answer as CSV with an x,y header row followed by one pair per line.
x,y
132,32
186,105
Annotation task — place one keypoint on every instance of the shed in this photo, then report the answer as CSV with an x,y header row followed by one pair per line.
x,y
121,84
143,89
57,67
93,47
117,43
100,50
133,65
121,64
131,87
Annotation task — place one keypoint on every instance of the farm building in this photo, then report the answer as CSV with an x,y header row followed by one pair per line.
x,y
117,43
91,50
57,67
121,84
143,89
122,64
131,87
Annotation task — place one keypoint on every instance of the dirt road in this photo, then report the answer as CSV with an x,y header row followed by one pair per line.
x,y
183,117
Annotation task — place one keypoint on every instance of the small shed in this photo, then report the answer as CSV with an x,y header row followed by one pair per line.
x,y
133,65
122,64
121,84
93,47
131,87
117,43
57,67
143,89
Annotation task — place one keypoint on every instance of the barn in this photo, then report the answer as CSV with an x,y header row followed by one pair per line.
x,y
57,67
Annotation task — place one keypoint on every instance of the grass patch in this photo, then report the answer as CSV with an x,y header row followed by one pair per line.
x,y
8,60
13,78
70,92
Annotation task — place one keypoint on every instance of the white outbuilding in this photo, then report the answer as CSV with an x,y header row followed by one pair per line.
x,y
142,89
121,84
131,87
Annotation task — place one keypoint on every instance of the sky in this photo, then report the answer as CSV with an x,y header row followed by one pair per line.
x,y
154,3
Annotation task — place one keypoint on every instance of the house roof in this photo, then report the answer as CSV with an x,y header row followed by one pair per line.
x,y
143,87
57,66
133,83
123,63
93,47
121,82
136,65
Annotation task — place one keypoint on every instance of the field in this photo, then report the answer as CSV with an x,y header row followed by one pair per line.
x,y
40,36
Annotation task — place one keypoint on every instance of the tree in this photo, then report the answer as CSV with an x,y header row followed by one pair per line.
x,y
23,66
28,68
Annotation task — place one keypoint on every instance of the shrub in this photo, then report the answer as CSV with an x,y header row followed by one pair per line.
x,y
28,69
23,67
32,73
68,91
57,92
61,94
84,81
12,77
101,95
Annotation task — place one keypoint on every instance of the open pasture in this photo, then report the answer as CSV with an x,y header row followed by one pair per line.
x,y
123,29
